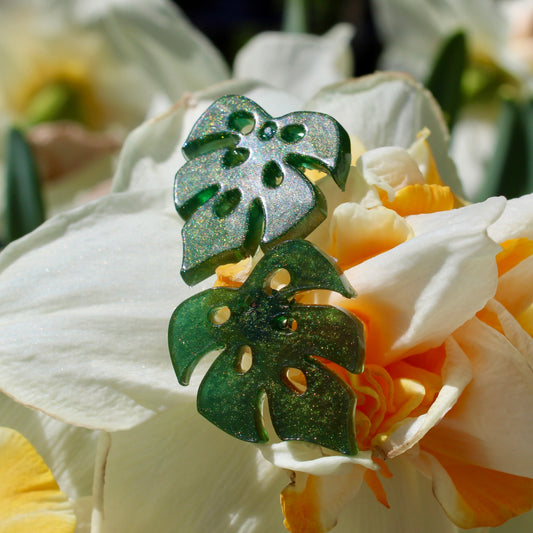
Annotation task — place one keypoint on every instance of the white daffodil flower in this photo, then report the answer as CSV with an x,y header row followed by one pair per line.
x,y
81,75
87,299
499,34
299,63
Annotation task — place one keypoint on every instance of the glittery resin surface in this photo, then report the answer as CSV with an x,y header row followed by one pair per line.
x,y
244,186
270,345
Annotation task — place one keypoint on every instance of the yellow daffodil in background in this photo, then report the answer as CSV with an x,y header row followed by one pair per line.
x,y
490,141
443,414
30,499
78,76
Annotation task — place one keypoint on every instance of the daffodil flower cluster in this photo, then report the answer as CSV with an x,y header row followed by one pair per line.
x,y
443,419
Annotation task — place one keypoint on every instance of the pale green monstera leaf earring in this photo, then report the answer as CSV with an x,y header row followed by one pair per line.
x,y
244,185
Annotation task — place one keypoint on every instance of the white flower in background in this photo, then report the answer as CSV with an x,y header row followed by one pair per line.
x,y
80,75
299,63
30,498
87,299
499,34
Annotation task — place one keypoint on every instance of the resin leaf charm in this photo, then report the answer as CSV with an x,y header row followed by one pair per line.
x,y
271,345
244,184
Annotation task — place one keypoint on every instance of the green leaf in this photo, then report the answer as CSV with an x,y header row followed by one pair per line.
x,y
266,339
24,205
445,78
244,185
527,118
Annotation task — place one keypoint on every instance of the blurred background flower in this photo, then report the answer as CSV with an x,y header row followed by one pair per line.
x,y
476,57
76,77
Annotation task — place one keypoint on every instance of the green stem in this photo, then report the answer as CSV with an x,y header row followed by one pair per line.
x,y
294,16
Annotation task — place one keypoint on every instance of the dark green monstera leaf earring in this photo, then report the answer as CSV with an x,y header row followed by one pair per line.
x,y
275,347
243,185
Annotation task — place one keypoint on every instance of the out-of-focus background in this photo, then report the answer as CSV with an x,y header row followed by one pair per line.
x,y
230,24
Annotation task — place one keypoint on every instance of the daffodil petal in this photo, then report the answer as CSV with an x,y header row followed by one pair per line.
x,y
421,291
312,504
154,39
491,425
413,507
152,154
363,105
298,63
68,451
413,31
472,147
196,477
456,374
359,234
516,220
312,459
520,524
86,301
515,288
30,497
390,168
474,496
83,509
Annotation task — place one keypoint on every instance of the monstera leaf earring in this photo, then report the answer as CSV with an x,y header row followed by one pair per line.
x,y
244,184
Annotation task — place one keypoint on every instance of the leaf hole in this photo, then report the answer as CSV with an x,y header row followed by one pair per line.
x,y
267,131
227,203
292,133
295,379
190,206
244,359
235,157
277,280
272,175
219,315
242,121
284,323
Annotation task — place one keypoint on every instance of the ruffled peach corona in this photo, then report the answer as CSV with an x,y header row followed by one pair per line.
x,y
414,401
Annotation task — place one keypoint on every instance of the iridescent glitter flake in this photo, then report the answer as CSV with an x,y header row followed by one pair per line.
x,y
271,345
244,184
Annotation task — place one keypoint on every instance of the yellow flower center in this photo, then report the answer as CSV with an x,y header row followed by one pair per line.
x,y
58,91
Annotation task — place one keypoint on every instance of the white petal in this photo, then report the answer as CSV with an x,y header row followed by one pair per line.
x,y
179,472
424,289
389,109
152,153
85,305
492,424
413,507
298,63
68,451
154,37
312,459
516,220
472,147
390,168
82,509
413,31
